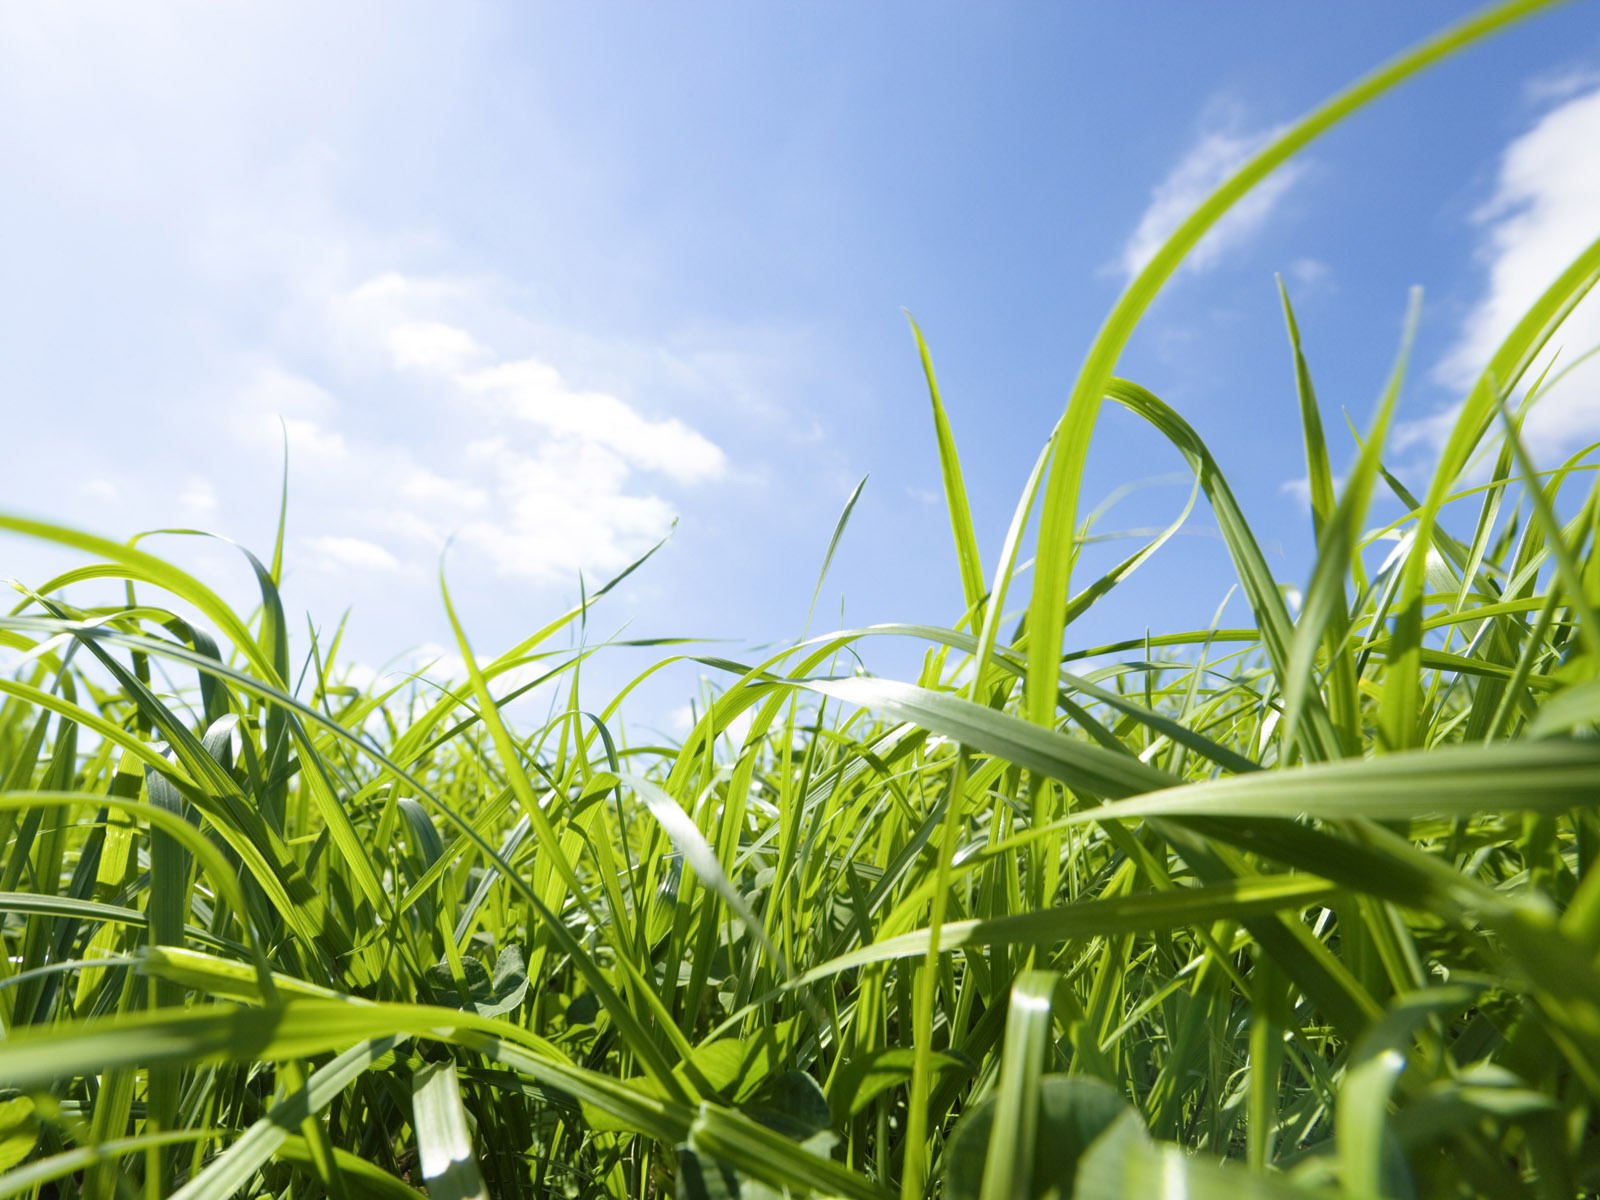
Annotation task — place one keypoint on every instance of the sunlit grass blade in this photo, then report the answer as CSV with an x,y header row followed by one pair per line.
x,y
833,546
1008,1170
448,1162
1325,607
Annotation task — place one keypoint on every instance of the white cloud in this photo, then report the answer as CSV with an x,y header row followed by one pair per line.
x,y
412,527
311,440
560,509
275,404
1545,208
354,552
198,498
381,378
277,392
1560,84
292,273
424,432
542,477
432,345
1208,162
1309,272
535,392
392,320
426,325
433,490
1299,488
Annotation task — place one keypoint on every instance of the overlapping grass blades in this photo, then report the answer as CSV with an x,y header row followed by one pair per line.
x,y
1319,896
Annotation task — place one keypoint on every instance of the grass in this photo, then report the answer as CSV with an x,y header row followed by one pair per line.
x,y
1318,896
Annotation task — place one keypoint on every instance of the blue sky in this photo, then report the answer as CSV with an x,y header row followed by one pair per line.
x,y
542,277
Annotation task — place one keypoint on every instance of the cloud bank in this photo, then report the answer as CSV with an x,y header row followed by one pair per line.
x,y
542,477
1544,209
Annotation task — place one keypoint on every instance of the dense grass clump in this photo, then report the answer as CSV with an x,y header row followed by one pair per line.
x,y
1319,895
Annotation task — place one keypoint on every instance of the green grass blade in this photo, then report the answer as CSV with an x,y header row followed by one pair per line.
x,y
445,1145
1008,1170
968,558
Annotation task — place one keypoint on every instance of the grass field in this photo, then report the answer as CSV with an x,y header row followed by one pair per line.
x,y
1308,908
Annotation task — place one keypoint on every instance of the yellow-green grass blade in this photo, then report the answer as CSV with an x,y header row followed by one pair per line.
x,y
358,1176
1324,610
236,1165
1551,776
30,1178
1093,770
1344,700
1142,913
968,558
602,986
1008,1169
638,1039
139,565
1255,577
1134,1169
833,546
1319,474
216,867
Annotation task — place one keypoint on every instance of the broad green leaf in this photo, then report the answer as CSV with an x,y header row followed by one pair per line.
x,y
864,1079
1121,1168
489,995
18,1131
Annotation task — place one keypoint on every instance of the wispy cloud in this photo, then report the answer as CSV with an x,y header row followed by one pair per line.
x,y
1309,273
418,400
541,477
536,393
198,498
1544,209
1561,84
339,552
432,346
1206,164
